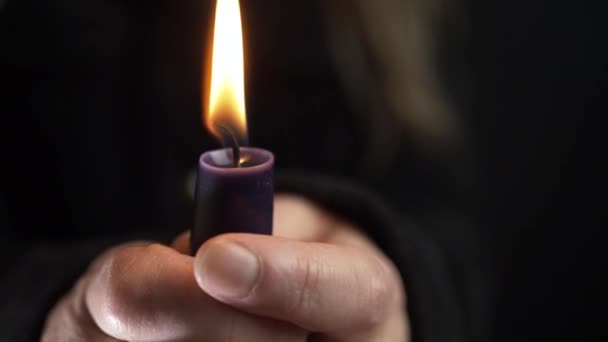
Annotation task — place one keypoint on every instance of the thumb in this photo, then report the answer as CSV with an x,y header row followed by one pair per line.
x,y
332,289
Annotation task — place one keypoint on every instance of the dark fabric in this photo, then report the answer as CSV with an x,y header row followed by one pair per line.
x,y
100,130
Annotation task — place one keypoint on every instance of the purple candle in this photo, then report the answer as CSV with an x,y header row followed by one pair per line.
x,y
233,199
234,186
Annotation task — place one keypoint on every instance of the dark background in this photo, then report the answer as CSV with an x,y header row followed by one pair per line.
x,y
101,127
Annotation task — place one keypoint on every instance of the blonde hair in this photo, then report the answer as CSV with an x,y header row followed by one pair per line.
x,y
390,46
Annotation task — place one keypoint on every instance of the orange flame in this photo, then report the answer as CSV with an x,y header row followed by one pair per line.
x,y
226,105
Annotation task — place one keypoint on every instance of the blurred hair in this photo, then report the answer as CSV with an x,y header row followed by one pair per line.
x,y
385,52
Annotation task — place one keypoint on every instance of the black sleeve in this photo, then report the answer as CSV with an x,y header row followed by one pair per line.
x,y
433,307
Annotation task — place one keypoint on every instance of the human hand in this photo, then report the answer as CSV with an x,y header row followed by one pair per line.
x,y
316,279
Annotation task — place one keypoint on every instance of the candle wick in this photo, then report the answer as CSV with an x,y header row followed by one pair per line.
x,y
231,140
236,154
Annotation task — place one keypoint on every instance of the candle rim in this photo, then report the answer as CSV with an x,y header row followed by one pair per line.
x,y
268,162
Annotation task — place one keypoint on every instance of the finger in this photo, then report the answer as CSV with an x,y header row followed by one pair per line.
x,y
69,320
298,218
319,287
148,293
182,243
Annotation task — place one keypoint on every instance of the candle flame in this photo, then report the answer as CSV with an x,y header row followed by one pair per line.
x,y
226,105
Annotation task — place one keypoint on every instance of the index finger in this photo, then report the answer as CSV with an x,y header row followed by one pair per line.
x,y
148,293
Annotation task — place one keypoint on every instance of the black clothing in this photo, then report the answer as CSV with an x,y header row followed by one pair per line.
x,y
101,119
103,146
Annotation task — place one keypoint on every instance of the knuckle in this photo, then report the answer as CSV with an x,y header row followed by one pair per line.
x,y
119,296
382,293
306,298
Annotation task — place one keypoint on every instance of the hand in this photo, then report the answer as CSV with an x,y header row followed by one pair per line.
x,y
316,279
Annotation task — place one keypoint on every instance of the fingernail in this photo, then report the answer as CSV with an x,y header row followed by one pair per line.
x,y
227,270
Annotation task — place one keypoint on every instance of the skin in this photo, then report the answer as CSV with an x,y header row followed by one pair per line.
x,y
316,279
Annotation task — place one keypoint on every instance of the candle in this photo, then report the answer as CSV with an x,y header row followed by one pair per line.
x,y
234,186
